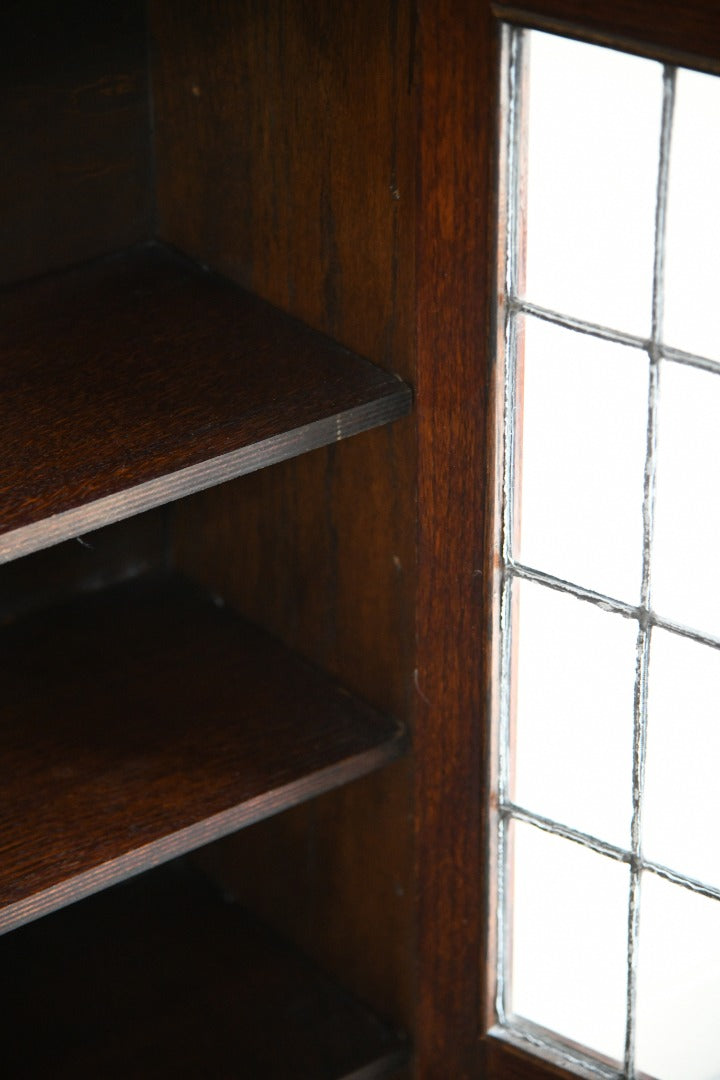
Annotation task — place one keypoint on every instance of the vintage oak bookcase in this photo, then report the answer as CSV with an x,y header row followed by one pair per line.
x,y
205,591
216,605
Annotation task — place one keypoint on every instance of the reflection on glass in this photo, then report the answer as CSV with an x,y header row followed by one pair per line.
x,y
692,263
592,181
686,567
678,988
574,712
682,794
569,939
583,434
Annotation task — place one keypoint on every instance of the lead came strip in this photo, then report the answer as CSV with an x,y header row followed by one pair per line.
x,y
609,603
514,46
645,629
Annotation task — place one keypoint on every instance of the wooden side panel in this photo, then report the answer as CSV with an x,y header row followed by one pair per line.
x,y
285,159
456,251
74,131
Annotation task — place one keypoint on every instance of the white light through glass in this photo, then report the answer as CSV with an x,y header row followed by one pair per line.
x,y
678,1034
591,181
565,977
574,708
682,794
611,723
582,473
692,271
686,557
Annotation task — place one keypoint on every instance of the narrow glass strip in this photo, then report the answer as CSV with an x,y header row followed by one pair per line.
x,y
645,629
505,676
502,922
512,151
509,485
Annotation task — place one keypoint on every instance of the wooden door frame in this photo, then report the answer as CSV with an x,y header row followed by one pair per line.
x,y
458,50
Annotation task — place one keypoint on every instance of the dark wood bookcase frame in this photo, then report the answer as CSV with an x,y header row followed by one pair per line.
x,y
457,418
214,604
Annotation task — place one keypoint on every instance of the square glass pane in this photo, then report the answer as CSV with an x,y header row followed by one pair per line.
x,y
573,736
686,567
692,245
678,983
582,432
569,939
681,806
591,181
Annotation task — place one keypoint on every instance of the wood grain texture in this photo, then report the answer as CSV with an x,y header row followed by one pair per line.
x,y
313,866
161,978
293,170
142,378
456,245
75,133
139,724
679,33
284,162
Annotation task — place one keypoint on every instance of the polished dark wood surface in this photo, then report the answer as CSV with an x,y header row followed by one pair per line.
x,y
140,378
145,721
75,166
162,978
456,244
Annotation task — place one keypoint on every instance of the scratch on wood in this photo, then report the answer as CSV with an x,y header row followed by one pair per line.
x,y
419,691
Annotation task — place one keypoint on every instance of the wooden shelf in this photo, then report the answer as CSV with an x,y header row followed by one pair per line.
x,y
145,721
142,378
161,978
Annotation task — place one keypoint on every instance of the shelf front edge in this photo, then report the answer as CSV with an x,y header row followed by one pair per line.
x,y
246,459
168,847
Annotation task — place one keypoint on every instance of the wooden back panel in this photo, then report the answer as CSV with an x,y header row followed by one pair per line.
x,y
74,132
285,159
